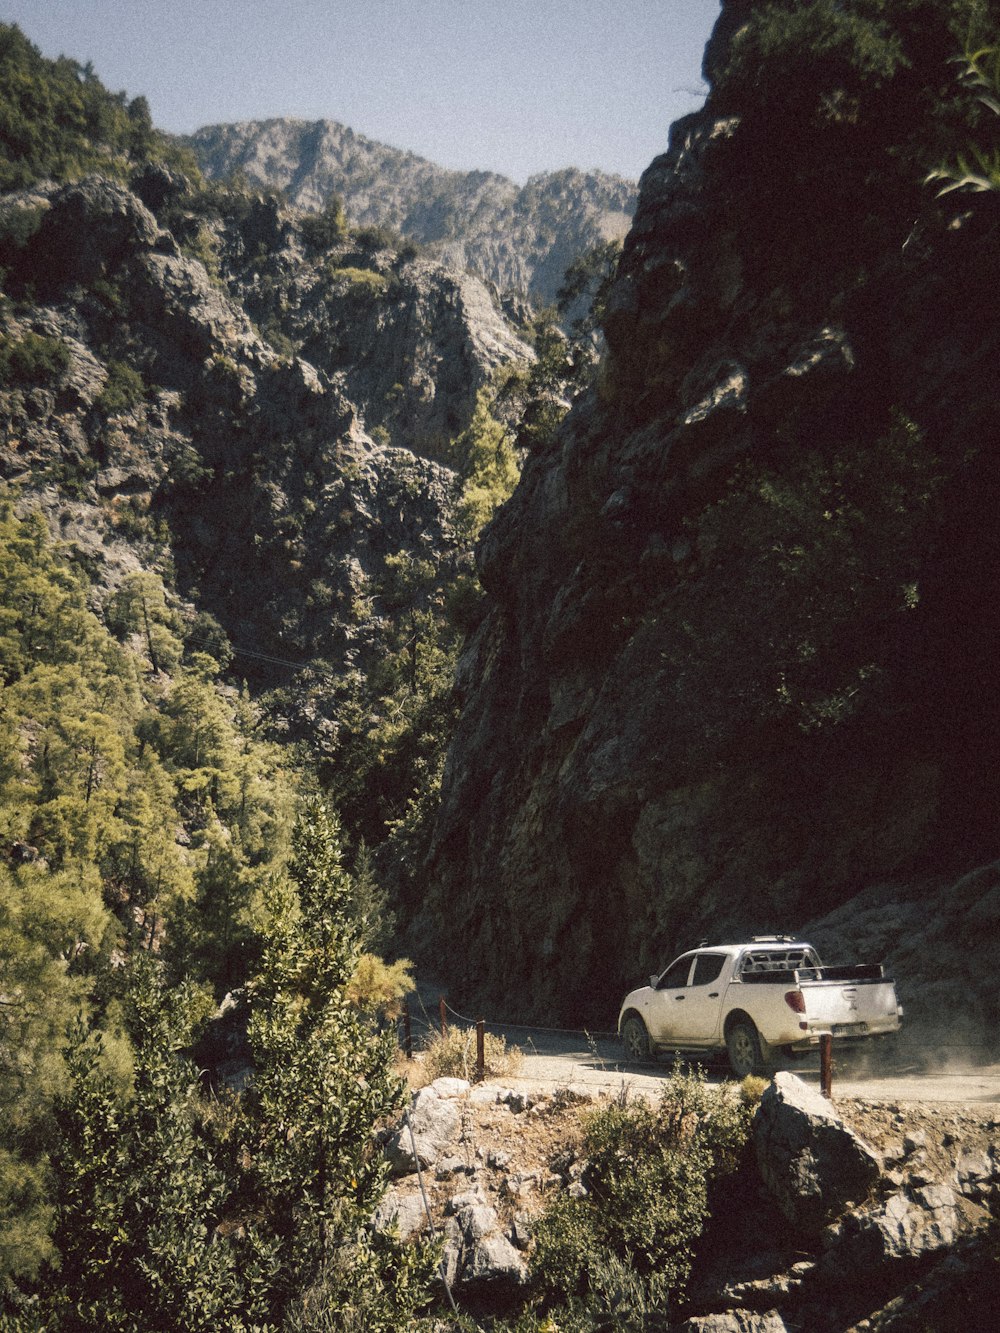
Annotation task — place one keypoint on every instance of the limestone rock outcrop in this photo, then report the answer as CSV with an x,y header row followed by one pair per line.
x,y
811,1163
149,405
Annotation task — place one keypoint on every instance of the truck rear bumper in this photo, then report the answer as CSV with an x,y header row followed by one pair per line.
x,y
845,1034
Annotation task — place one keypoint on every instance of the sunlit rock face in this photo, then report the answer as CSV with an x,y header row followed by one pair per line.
x,y
735,663
284,427
520,239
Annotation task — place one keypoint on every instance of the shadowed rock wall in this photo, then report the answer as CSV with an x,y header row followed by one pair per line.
x,y
737,659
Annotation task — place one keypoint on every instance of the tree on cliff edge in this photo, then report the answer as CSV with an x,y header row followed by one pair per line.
x,y
324,1083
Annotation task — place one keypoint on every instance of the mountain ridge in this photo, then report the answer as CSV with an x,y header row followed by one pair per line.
x,y
520,238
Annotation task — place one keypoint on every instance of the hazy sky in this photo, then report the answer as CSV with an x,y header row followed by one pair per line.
x,y
516,86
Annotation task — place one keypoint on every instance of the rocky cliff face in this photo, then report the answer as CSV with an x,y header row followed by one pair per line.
x,y
736,663
408,340
158,427
521,240
840,1218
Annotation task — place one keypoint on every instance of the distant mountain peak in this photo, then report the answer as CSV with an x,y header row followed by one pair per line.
x,y
520,238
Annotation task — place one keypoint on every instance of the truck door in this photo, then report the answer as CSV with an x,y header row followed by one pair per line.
x,y
703,997
665,1012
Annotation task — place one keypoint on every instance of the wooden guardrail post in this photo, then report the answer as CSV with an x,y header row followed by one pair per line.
x,y
480,1050
826,1064
443,1011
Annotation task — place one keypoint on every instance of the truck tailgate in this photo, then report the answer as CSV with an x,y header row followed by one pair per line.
x,y
851,1008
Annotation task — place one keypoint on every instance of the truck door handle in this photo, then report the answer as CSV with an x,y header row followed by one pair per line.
x,y
713,994
680,997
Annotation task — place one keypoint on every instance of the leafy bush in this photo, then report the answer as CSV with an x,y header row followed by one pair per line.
x,y
829,54
977,167
123,389
326,228
378,987
454,1055
360,281
32,359
840,108
372,239
202,244
632,1239
18,223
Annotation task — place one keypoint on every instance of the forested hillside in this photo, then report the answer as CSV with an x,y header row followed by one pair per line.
x,y
245,453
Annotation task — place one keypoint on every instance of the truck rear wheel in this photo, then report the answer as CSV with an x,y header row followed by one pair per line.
x,y
635,1039
744,1048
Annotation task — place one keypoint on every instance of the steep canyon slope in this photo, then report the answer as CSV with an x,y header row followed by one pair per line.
x,y
737,663
158,427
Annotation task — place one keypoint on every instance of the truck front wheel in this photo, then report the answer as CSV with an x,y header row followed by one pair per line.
x,y
743,1046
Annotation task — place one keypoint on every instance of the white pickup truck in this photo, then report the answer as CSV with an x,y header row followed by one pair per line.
x,y
750,1000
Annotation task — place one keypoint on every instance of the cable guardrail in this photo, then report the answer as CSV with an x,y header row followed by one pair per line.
x,y
527,1027
989,1047
979,1053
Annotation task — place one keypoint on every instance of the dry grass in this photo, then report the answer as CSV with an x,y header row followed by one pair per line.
x,y
454,1056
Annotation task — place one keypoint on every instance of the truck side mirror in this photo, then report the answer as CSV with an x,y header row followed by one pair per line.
x,y
653,979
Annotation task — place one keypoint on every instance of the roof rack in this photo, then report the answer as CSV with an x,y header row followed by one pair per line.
x,y
773,939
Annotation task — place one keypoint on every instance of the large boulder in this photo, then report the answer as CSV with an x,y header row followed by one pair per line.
x,y
430,1129
91,227
812,1164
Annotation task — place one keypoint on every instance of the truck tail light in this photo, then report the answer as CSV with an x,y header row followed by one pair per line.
x,y
796,1001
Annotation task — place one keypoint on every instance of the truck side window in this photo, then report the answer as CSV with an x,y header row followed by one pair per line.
x,y
707,968
676,975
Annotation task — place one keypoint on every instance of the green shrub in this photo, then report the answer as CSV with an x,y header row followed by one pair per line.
x,y
378,987
372,239
406,250
109,296
326,228
360,281
273,333
32,359
650,1169
829,55
977,168
202,244
465,603
18,223
123,389
565,1240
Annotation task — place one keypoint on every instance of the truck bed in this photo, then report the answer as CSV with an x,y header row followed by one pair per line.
x,y
805,976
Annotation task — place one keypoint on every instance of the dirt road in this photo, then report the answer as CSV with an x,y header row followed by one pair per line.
x,y
576,1060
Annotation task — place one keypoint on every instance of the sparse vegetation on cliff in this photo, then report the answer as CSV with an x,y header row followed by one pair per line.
x,y
627,1246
